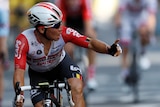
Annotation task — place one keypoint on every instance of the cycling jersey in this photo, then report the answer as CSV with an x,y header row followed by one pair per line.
x,y
28,48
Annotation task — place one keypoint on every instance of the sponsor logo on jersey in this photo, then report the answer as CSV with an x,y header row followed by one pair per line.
x,y
39,52
75,33
18,49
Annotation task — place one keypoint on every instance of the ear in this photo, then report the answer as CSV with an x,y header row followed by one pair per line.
x,y
41,29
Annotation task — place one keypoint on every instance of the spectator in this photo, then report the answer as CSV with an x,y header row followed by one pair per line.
x,y
4,32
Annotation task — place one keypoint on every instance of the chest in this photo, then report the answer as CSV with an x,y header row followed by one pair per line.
x,y
39,50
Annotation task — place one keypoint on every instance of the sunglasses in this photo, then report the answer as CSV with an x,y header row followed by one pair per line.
x,y
56,26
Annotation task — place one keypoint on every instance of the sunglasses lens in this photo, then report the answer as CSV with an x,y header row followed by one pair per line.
x,y
57,25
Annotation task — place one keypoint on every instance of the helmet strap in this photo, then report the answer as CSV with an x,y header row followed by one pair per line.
x,y
45,30
44,34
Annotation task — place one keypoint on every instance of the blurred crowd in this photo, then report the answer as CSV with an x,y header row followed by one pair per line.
x,y
18,10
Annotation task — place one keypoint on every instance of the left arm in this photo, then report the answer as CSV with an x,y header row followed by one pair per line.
x,y
70,35
98,46
101,47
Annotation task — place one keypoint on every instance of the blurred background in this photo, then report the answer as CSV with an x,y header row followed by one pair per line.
x,y
108,93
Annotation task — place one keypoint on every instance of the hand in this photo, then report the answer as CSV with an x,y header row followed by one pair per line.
x,y
115,49
19,100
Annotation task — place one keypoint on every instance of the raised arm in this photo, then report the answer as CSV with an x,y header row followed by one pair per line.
x,y
71,35
102,47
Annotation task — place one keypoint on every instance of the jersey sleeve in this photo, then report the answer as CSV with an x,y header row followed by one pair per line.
x,y
71,35
21,49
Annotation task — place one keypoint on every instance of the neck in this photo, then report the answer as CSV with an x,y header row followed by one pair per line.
x,y
40,37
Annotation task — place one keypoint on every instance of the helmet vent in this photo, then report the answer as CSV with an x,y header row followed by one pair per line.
x,y
56,12
44,13
35,16
54,16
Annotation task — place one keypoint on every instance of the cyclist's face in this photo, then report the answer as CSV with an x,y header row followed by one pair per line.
x,y
54,33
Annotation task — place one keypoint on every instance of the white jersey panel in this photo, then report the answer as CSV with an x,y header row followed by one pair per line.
x,y
36,57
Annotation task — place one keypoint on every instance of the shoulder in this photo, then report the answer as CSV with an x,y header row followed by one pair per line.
x,y
25,36
28,34
67,31
28,31
69,34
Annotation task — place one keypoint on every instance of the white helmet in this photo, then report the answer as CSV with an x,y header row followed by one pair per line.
x,y
44,13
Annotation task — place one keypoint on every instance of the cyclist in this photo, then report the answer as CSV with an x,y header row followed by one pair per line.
x,y
78,15
140,16
42,48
